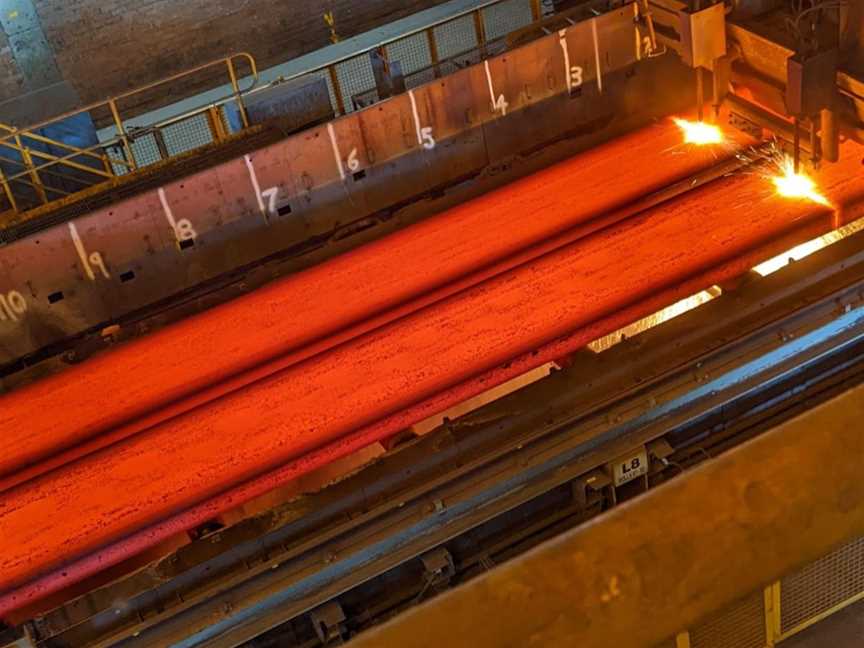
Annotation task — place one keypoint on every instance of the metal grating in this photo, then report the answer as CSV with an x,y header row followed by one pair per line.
x,y
145,151
505,17
741,625
187,135
822,585
412,53
355,77
455,37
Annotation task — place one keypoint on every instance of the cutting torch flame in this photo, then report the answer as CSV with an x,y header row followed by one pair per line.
x,y
797,185
699,133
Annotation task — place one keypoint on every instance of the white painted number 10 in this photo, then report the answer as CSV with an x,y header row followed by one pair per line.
x,y
12,306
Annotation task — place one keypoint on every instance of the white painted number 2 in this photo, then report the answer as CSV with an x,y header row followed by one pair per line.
x,y
12,305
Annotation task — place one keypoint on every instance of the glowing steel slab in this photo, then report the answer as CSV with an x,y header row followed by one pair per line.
x,y
405,370
148,380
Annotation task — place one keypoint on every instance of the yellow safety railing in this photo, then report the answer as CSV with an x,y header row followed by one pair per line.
x,y
37,165
439,43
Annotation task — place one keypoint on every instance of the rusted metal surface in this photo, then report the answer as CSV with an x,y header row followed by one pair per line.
x,y
644,571
252,207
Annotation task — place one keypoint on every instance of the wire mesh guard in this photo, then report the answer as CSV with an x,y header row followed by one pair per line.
x,y
507,16
822,586
741,625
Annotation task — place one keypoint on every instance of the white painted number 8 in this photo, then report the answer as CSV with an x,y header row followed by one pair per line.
x,y
185,231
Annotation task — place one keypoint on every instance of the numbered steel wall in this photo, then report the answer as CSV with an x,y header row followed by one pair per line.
x,y
97,268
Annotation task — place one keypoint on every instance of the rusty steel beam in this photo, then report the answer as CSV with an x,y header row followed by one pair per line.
x,y
365,390
659,564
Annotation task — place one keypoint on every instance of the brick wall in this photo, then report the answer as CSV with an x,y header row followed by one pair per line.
x,y
106,46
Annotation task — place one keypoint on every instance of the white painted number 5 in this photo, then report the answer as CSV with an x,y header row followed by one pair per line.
x,y
428,140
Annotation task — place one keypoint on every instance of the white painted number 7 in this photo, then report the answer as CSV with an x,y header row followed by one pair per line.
x,y
271,195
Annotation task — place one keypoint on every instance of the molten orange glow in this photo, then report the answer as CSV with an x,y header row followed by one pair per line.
x,y
796,185
700,133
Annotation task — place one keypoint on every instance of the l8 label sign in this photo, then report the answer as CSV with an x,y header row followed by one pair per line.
x,y
630,466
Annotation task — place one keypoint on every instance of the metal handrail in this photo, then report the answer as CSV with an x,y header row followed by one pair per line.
x,y
394,39
13,137
228,60
66,160
125,139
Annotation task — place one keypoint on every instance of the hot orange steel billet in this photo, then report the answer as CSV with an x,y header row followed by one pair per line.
x,y
80,410
375,384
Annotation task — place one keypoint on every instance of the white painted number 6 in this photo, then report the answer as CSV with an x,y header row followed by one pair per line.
x,y
353,162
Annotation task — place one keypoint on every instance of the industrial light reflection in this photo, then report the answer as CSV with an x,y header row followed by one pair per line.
x,y
790,184
699,133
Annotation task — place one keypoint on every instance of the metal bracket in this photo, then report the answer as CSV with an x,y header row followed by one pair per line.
x,y
703,36
439,567
329,623
596,481
811,84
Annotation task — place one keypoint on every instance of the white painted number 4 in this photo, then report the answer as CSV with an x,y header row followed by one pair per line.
x,y
501,105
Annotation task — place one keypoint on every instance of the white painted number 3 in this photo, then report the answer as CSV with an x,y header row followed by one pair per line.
x,y
576,76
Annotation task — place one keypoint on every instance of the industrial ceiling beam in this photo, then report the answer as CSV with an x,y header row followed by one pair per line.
x,y
657,565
